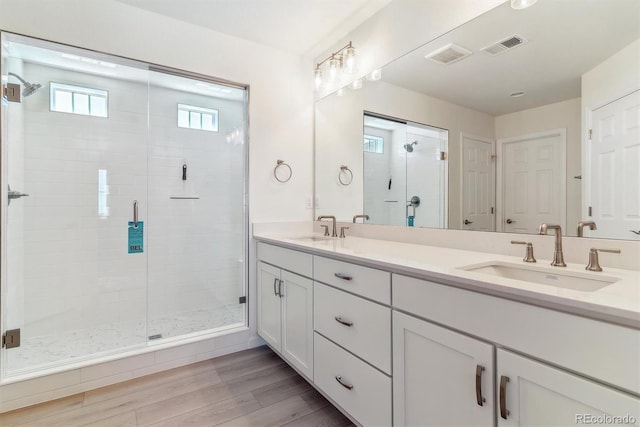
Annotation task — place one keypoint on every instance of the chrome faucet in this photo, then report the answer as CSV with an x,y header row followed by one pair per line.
x,y
364,218
583,224
333,219
558,258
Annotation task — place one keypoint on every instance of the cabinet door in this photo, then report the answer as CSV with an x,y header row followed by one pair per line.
x,y
297,322
537,394
269,318
439,375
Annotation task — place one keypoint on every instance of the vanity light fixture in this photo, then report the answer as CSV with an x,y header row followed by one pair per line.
x,y
342,61
522,4
375,75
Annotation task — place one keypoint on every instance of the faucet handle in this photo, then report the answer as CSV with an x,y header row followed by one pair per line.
x,y
594,264
326,229
528,257
342,235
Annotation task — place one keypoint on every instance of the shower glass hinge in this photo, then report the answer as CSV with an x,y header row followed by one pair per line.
x,y
11,338
242,300
11,92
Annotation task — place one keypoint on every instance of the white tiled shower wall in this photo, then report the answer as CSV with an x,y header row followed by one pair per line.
x,y
77,270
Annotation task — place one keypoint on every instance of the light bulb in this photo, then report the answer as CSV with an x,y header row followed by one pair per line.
x,y
356,84
317,78
374,75
334,69
349,60
522,4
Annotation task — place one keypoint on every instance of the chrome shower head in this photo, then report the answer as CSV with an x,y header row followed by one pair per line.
x,y
409,147
29,88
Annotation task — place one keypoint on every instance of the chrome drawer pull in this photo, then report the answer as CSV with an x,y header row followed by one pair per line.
x,y
343,384
343,276
344,322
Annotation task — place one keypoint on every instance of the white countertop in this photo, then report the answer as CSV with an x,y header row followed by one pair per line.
x,y
618,302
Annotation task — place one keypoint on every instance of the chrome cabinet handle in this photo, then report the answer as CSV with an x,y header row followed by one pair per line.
x,y
280,288
503,396
343,384
479,398
275,292
339,319
343,276
135,213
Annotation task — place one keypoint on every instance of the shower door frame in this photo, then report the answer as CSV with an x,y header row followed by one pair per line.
x,y
148,346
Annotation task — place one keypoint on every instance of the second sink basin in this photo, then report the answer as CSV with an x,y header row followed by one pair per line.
x,y
543,276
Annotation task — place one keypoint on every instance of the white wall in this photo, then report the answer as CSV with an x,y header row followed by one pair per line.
x,y
564,114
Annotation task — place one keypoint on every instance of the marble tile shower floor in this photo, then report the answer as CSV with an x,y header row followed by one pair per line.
x,y
70,346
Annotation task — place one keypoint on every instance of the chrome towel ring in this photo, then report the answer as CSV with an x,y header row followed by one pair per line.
x,y
345,176
288,174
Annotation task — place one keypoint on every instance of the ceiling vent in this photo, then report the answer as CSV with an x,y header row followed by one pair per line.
x,y
505,45
448,54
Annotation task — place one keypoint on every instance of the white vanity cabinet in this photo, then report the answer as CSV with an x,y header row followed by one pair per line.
x,y
440,377
285,305
531,393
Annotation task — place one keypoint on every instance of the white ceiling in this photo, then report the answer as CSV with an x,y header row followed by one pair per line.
x,y
296,26
565,40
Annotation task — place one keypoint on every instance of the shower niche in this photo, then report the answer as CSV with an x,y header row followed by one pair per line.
x,y
123,219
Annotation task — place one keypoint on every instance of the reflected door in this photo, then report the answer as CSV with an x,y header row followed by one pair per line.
x,y
478,185
615,169
533,182
74,282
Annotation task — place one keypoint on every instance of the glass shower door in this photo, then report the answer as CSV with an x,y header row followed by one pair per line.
x,y
197,229
74,155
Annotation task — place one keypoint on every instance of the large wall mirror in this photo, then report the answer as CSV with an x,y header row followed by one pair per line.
x,y
515,118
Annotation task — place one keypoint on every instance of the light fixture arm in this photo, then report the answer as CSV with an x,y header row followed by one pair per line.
x,y
334,55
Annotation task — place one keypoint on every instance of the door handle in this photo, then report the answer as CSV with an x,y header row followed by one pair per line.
x,y
12,195
135,214
503,396
510,221
479,398
467,222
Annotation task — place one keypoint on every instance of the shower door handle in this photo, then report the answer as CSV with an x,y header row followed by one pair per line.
x,y
135,213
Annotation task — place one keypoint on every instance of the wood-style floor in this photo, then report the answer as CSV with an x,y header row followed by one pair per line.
x,y
251,388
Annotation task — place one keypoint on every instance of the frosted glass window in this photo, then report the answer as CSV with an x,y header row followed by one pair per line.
x,y
192,117
87,101
80,103
373,144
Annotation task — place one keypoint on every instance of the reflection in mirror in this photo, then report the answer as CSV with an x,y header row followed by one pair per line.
x,y
543,120
404,172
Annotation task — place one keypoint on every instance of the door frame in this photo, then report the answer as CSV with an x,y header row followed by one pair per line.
x,y
493,143
500,167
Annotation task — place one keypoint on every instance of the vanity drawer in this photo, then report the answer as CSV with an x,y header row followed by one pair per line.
x,y
297,262
365,281
369,399
369,335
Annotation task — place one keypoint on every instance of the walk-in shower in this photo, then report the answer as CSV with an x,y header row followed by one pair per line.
x,y
134,230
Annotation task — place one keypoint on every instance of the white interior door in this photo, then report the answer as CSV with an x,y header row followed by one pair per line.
x,y
478,184
615,169
532,181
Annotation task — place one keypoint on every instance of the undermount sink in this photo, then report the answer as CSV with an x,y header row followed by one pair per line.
x,y
312,238
543,276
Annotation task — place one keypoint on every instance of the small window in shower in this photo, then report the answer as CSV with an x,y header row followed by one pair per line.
x,y
192,117
373,144
87,101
